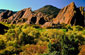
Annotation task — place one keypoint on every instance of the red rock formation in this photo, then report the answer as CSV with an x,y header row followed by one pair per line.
x,y
69,15
5,15
26,15
38,18
66,14
20,16
47,24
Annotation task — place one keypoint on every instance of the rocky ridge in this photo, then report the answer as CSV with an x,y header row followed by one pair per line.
x,y
67,15
70,15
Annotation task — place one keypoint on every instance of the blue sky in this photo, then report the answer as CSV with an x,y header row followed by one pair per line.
x,y
16,5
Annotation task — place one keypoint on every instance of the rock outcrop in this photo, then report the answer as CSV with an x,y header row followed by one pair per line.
x,y
70,15
47,24
5,15
26,15
38,18
20,16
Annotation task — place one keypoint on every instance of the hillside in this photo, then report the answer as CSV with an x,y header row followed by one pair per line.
x,y
49,10
46,31
3,10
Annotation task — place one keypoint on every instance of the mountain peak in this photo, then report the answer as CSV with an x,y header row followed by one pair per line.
x,y
48,6
70,15
49,10
72,4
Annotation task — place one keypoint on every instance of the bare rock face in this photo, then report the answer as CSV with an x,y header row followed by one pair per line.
x,y
69,15
29,17
20,16
47,24
5,15
38,18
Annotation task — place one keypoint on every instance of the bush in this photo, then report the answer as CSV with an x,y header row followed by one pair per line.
x,y
82,50
34,49
2,44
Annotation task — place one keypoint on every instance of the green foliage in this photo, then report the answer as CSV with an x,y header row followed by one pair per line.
x,y
25,39
2,44
51,53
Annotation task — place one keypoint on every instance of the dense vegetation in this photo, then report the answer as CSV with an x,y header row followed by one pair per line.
x,y
29,40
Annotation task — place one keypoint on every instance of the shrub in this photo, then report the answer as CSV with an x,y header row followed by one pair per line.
x,y
82,50
2,44
34,49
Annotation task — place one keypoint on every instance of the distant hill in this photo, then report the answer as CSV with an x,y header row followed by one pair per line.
x,y
3,10
49,10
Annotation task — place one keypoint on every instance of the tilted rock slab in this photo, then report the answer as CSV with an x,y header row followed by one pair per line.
x,y
69,15
27,16
5,15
